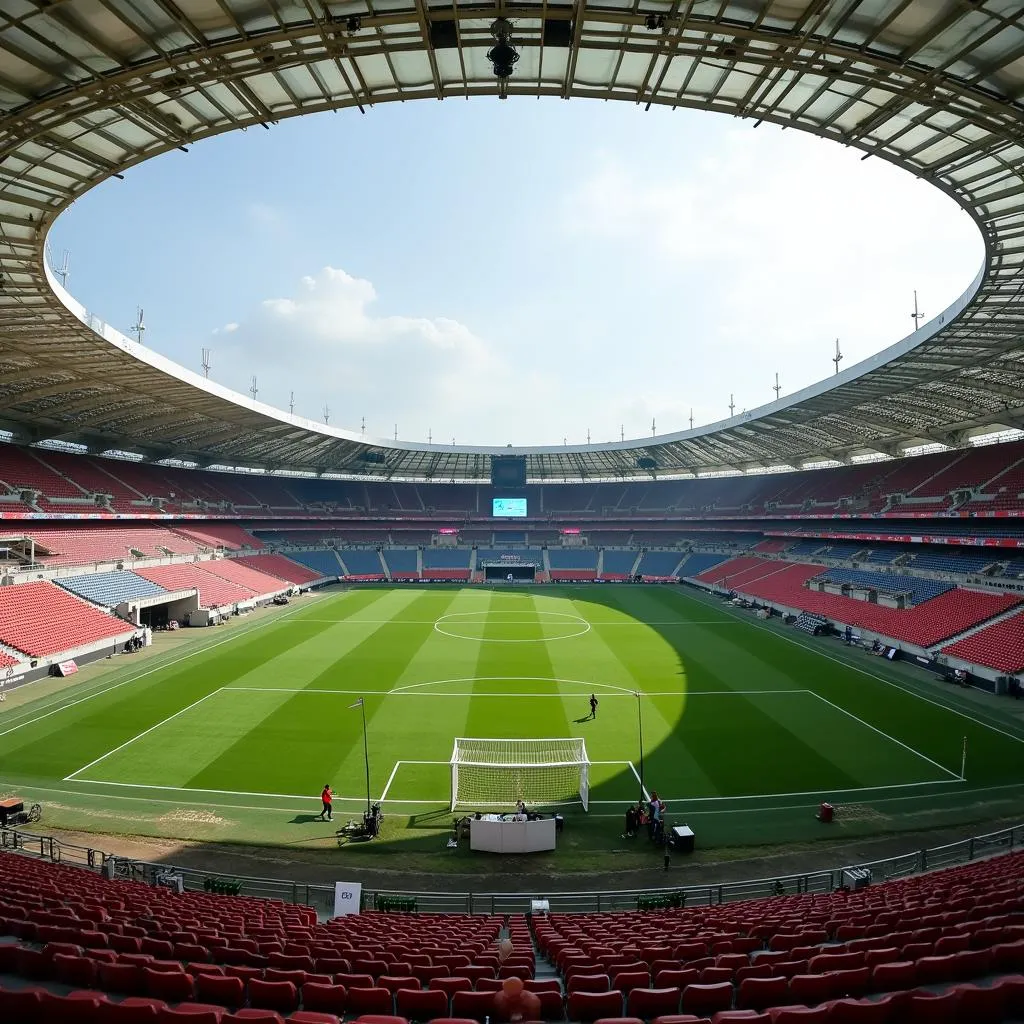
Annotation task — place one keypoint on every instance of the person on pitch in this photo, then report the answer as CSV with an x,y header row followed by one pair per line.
x,y
593,706
326,797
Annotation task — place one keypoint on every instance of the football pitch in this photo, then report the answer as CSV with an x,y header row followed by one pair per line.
x,y
744,729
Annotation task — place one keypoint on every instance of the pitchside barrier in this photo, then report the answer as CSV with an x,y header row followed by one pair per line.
x,y
321,897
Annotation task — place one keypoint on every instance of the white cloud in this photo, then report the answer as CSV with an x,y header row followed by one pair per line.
x,y
664,278
327,343
772,247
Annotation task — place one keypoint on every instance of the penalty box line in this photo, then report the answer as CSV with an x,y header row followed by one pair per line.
x,y
145,732
891,739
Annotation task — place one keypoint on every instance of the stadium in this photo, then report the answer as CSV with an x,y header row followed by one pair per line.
x,y
720,724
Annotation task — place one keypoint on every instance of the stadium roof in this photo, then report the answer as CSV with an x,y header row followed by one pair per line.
x,y
91,87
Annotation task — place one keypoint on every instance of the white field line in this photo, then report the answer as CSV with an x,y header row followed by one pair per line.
x,y
643,789
240,792
307,799
145,732
391,778
881,679
778,796
64,704
596,625
405,691
899,743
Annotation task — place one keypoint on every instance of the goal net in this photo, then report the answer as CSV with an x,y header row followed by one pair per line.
x,y
497,773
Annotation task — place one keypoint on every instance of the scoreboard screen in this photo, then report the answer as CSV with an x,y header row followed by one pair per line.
x,y
509,508
508,471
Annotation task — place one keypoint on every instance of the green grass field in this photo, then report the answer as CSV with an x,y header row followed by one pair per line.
x,y
745,729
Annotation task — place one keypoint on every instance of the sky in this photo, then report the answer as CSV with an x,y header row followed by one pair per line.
x,y
519,272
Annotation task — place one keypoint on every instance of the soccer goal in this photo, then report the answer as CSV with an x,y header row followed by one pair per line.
x,y
497,773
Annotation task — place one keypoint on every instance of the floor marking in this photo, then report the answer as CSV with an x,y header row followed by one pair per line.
x,y
593,624
484,618
242,792
586,683
391,778
142,675
145,732
893,739
871,675
643,788
809,792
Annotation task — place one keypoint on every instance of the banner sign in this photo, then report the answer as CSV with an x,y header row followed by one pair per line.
x,y
347,898
67,668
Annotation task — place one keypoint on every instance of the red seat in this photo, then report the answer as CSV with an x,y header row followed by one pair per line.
x,y
476,1005
282,996
800,1015
932,1008
170,986
811,989
592,1006
191,1013
626,981
125,979
313,1017
707,999
353,980
892,976
133,1010
978,1005
760,993
421,1004
552,1005
370,1000
678,977
324,998
223,990
588,983
741,1017
77,971
714,975
853,983
393,983
859,1011
652,1002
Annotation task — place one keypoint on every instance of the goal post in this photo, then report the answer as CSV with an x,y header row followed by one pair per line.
x,y
497,773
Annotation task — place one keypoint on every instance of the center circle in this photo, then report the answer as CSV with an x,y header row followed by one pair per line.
x,y
471,626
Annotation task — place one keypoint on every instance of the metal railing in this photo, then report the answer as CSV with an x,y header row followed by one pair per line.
x,y
321,896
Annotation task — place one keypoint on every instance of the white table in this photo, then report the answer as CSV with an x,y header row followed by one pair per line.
x,y
493,834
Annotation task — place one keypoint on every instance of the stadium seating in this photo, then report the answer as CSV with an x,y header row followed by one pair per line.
x,y
572,564
995,473
254,580
618,565
952,561
298,568
925,625
214,590
659,564
362,564
891,583
402,563
999,646
104,542
220,535
700,561
110,588
135,945
41,619
446,563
